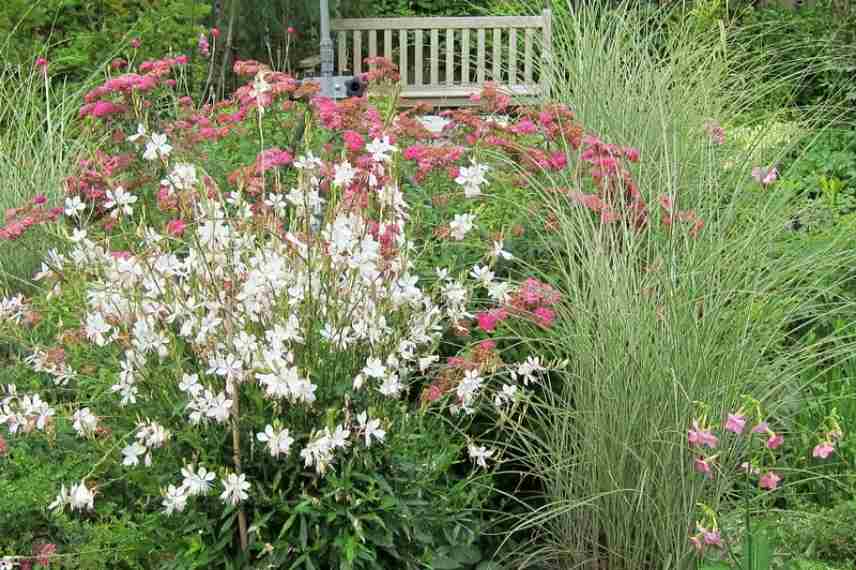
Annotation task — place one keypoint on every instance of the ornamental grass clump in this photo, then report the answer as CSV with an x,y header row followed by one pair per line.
x,y
677,287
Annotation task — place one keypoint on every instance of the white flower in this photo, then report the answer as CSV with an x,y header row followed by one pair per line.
x,y
371,428
183,177
260,86
220,408
529,369
471,178
175,499
85,422
74,206
307,162
96,328
197,482
121,200
379,149
7,563
279,441
235,489
157,147
391,386
497,251
508,393
480,455
468,387
461,225
61,500
344,174
374,368
482,274
132,454
141,132
339,439
81,498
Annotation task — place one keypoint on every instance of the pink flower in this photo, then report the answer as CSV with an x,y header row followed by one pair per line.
x,y
44,553
823,450
769,480
702,437
215,32
40,199
775,441
763,427
702,466
697,544
632,154
487,321
544,316
712,538
354,141
42,63
135,43
735,423
765,176
3,446
291,31
176,227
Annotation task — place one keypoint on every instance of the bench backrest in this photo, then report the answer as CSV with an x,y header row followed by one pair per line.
x,y
461,55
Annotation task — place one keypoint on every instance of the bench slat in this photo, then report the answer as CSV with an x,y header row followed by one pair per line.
x,y
480,58
358,52
372,43
450,57
343,53
465,57
512,57
418,63
402,56
497,55
387,44
527,57
475,22
435,57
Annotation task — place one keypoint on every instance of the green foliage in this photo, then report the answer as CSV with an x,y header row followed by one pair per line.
x,y
75,34
812,48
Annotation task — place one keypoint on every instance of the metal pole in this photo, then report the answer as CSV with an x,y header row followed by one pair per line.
x,y
326,41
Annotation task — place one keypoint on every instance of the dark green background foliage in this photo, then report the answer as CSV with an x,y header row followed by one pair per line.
x,y
77,35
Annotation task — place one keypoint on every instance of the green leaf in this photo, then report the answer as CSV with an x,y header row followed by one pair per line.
x,y
440,562
467,554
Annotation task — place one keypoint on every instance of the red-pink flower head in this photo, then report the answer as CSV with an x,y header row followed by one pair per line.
x,y
135,43
735,423
775,441
176,227
823,450
702,466
769,480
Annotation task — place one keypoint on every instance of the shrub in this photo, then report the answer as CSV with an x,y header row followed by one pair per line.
x,y
280,322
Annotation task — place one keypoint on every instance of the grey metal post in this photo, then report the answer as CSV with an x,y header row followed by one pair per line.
x,y
326,41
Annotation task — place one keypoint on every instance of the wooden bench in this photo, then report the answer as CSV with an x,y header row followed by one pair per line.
x,y
449,73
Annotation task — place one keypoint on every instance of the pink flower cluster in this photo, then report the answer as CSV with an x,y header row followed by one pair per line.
x,y
431,157
101,102
765,176
19,220
705,538
535,299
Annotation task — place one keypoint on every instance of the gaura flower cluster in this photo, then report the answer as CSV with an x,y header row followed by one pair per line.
x,y
303,302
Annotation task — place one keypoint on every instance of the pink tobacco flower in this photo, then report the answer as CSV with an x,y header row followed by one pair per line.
x,y
701,437
769,480
291,31
775,441
735,423
632,154
823,450
42,63
712,538
487,321
136,43
203,46
702,466
215,33
765,176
